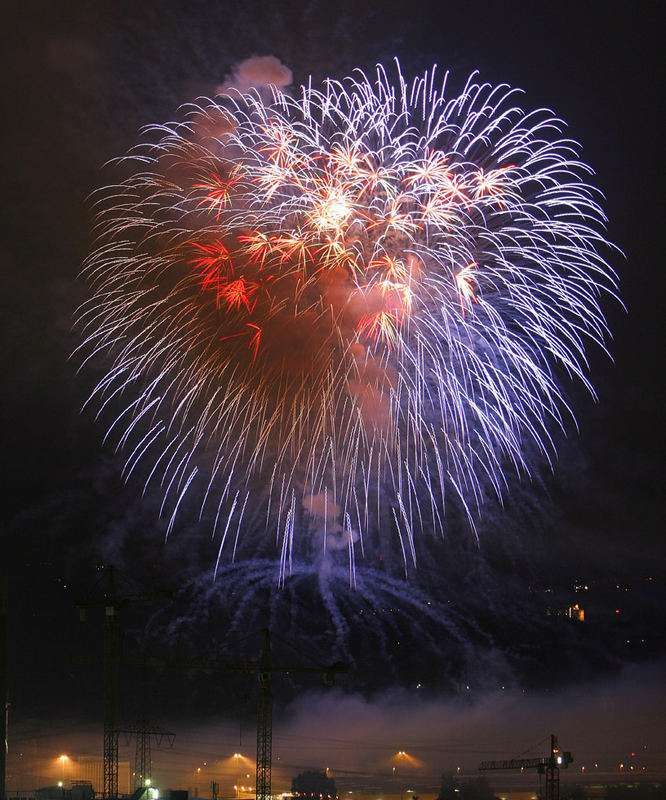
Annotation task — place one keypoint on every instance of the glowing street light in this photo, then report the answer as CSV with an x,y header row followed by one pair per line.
x,y
63,759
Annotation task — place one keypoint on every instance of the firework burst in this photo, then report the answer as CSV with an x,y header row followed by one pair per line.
x,y
335,311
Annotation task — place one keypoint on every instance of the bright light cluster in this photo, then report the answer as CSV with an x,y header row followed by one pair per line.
x,y
334,310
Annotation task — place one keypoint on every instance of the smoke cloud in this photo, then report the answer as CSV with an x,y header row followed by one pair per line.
x,y
256,72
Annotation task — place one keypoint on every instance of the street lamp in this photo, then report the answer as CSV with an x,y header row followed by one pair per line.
x,y
237,759
63,759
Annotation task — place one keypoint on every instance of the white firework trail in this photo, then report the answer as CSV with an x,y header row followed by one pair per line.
x,y
343,306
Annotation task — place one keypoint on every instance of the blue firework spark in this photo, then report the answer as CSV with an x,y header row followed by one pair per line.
x,y
327,314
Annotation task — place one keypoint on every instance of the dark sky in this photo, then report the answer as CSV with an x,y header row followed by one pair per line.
x,y
79,81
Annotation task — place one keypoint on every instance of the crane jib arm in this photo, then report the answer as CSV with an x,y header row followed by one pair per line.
x,y
514,763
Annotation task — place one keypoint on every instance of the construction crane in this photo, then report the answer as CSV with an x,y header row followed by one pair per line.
x,y
112,603
549,766
265,710
264,668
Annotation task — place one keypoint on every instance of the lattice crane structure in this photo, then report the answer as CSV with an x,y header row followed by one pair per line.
x,y
111,602
266,668
549,766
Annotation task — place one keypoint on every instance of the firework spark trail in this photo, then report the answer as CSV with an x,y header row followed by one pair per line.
x,y
378,613
344,305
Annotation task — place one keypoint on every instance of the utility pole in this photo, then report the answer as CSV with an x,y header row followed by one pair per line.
x,y
143,730
143,765
143,757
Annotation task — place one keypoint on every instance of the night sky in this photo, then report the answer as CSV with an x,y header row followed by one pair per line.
x,y
490,668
